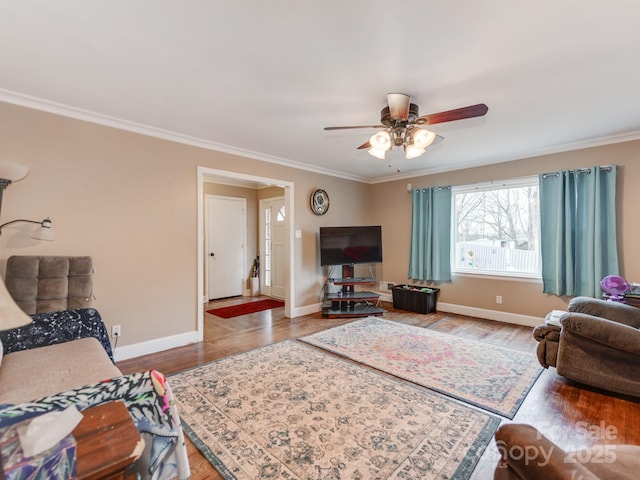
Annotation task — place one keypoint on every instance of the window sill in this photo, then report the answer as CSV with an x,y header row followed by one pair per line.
x,y
512,277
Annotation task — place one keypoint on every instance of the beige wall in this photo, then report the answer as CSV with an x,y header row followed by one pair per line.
x,y
130,201
270,192
393,204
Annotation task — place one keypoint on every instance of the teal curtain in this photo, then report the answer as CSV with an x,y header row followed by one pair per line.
x,y
429,256
578,230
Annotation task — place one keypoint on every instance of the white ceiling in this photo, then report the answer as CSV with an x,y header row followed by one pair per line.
x,y
263,77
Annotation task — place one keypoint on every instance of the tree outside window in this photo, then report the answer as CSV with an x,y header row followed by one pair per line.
x,y
496,229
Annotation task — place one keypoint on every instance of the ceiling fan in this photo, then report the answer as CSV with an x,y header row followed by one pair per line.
x,y
403,127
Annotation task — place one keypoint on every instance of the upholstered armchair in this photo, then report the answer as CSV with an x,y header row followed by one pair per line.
x,y
526,454
597,343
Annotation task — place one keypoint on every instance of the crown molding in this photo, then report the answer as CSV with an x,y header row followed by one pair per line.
x,y
35,103
565,147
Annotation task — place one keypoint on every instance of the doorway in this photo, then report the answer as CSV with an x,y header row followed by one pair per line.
x,y
206,174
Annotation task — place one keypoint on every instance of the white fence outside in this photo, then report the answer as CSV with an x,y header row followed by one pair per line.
x,y
481,256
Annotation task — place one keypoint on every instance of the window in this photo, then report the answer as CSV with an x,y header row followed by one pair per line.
x,y
266,256
496,229
269,237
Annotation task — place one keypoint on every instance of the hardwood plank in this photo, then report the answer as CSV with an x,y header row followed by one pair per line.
x,y
559,408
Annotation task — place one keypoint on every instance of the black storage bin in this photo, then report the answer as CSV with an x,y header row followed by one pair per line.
x,y
415,298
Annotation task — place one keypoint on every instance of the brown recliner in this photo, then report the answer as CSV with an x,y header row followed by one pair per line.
x,y
528,455
597,344
40,284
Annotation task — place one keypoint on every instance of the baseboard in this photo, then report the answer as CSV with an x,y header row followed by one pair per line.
x,y
159,344
506,317
306,310
385,297
497,315
153,346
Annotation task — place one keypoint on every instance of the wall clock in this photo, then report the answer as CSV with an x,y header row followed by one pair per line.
x,y
319,202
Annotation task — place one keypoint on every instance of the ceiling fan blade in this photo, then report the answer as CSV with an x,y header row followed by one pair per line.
x,y
457,114
364,145
354,126
398,106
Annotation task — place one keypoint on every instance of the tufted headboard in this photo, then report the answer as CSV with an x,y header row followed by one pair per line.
x,y
40,284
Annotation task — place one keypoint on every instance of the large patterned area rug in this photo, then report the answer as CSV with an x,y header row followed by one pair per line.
x,y
290,411
491,377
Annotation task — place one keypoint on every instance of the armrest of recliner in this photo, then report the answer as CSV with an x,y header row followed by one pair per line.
x,y
547,337
546,332
532,456
615,335
617,312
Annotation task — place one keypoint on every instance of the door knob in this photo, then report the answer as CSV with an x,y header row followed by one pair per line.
x,y
212,254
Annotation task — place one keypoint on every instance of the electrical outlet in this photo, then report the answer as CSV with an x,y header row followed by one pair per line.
x,y
499,299
116,331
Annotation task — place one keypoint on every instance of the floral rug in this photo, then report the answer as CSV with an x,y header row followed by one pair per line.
x,y
290,411
490,377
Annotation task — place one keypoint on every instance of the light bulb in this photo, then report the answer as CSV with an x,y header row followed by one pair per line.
x,y
412,151
423,138
381,141
376,152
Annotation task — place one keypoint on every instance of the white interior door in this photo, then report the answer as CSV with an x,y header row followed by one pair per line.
x,y
273,221
226,240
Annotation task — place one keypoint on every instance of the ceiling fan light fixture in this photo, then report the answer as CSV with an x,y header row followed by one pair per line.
x,y
376,152
402,126
381,141
422,138
413,151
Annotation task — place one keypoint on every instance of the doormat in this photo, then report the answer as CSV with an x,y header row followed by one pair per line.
x,y
487,376
292,411
245,308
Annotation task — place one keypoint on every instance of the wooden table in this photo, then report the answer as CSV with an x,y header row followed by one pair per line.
x,y
107,442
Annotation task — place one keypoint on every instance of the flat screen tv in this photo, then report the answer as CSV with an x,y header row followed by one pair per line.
x,y
350,245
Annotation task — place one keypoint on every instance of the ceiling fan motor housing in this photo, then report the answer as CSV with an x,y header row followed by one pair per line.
x,y
388,120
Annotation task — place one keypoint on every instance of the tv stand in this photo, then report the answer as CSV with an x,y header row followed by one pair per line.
x,y
349,303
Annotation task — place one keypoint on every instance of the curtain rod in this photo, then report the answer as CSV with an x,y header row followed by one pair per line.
x,y
439,187
608,168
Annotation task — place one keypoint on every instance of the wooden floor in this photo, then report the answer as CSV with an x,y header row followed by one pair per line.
x,y
569,414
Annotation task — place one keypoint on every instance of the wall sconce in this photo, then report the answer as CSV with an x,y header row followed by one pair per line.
x,y
12,172
44,232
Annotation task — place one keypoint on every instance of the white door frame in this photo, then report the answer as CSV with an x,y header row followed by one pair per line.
x,y
289,294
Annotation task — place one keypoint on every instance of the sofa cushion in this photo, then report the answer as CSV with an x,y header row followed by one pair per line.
x,y
34,373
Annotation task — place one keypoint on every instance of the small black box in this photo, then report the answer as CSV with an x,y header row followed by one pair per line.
x,y
415,298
